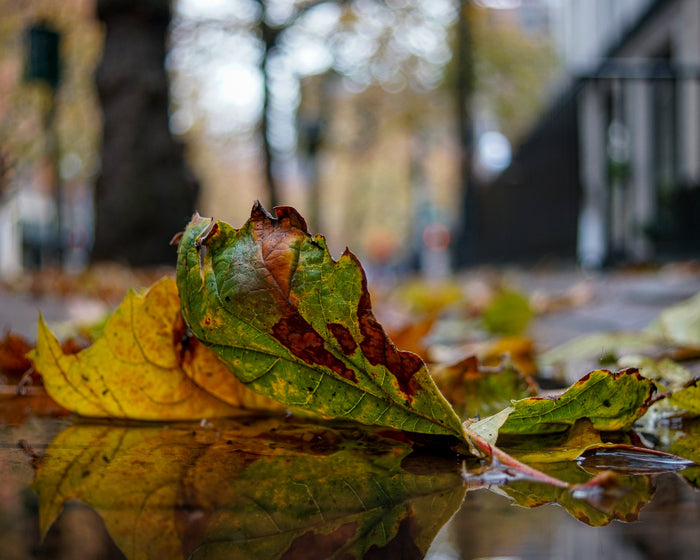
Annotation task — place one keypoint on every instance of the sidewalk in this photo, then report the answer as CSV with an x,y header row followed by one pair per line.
x,y
19,311
617,301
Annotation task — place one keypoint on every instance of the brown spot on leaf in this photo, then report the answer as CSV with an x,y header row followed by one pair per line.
x,y
343,336
304,342
379,349
401,546
319,545
278,238
288,215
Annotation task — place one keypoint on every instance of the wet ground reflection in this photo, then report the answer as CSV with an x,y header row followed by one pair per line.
x,y
273,488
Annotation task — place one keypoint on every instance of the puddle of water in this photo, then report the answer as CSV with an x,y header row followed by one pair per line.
x,y
267,488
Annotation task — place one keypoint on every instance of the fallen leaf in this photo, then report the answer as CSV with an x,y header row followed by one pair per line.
x,y
509,313
256,489
598,349
297,326
676,381
13,361
679,324
477,391
143,367
518,348
674,333
611,401
687,445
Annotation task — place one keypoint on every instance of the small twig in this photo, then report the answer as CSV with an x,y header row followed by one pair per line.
x,y
28,450
510,465
25,383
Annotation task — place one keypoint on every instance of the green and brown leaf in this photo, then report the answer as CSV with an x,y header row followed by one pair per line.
x,y
294,324
610,400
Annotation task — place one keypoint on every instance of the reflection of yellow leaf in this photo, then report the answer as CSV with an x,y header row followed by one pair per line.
x,y
262,488
143,367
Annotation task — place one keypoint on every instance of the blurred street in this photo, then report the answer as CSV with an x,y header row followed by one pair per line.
x,y
589,302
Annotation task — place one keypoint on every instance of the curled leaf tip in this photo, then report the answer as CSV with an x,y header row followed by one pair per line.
x,y
208,232
176,238
287,213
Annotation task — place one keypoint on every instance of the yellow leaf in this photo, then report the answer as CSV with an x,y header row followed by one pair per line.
x,y
143,367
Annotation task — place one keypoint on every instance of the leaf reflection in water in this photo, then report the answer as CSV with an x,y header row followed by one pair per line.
x,y
594,501
262,488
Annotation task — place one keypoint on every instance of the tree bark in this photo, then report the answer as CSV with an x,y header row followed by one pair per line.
x,y
145,192
269,40
466,242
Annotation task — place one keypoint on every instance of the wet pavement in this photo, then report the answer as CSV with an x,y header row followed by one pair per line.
x,y
485,525
616,300
590,301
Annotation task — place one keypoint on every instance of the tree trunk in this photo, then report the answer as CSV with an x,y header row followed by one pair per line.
x,y
269,40
145,193
466,242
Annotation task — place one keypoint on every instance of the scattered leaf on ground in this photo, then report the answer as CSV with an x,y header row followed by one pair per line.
x,y
611,401
297,326
674,333
144,367
591,351
430,298
477,391
685,442
509,313
13,360
676,381
518,348
679,324
253,489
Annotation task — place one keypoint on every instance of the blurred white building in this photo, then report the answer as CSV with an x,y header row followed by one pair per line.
x,y
611,172
639,125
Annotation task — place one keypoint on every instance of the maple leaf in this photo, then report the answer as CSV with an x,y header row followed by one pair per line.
x,y
143,367
296,325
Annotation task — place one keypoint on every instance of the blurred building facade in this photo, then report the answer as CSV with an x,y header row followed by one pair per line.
x,y
611,172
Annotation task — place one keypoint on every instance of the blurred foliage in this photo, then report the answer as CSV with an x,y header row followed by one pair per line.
x,y
509,313
513,71
378,94
379,84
